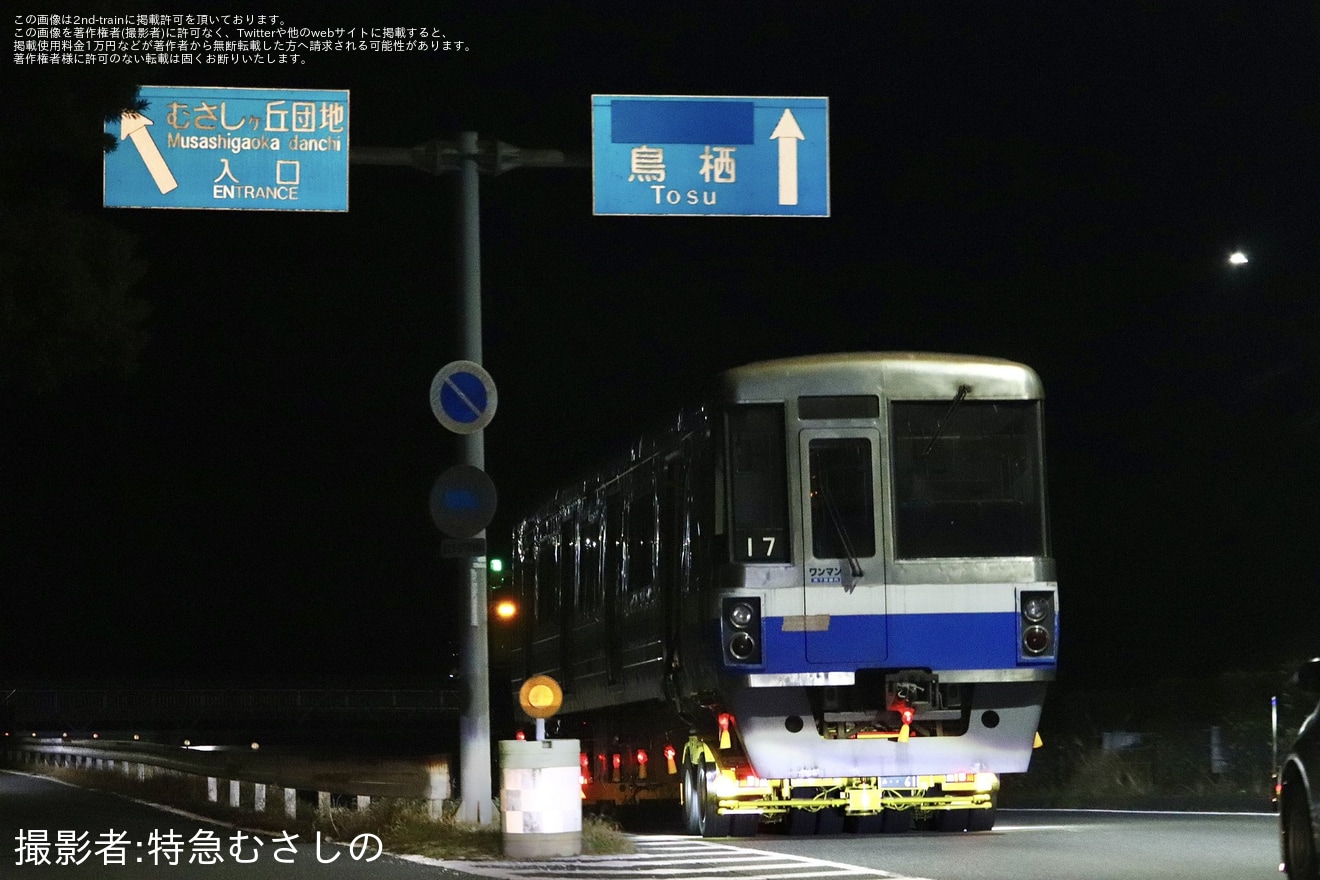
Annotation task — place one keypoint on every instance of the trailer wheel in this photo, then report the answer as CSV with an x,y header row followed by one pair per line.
x,y
712,823
897,821
965,820
981,820
744,824
691,800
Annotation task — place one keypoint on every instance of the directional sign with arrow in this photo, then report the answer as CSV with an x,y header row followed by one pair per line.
x,y
133,126
231,149
721,156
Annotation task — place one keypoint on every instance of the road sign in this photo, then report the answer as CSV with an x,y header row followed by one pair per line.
x,y
463,397
231,149
463,501
751,157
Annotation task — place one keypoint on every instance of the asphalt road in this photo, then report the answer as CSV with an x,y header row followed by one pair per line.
x,y
49,829
54,830
1062,845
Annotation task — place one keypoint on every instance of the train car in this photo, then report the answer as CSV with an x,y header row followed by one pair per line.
x,y
824,597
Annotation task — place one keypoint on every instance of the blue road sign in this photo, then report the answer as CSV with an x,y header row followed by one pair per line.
x,y
463,501
463,397
231,149
750,157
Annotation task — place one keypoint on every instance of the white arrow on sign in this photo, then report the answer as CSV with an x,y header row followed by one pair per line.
x,y
133,126
788,134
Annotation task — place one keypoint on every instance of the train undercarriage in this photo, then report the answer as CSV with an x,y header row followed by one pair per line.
x,y
718,795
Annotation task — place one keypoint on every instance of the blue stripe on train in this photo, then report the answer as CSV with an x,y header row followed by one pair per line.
x,y
937,641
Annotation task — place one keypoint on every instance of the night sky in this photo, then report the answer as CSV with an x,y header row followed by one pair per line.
x,y
1056,183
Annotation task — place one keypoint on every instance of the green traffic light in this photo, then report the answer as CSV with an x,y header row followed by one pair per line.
x,y
497,565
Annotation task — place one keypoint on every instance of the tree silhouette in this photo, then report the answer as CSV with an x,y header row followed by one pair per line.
x,y
66,275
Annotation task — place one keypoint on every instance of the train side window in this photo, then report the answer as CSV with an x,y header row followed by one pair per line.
x,y
613,540
547,600
641,542
589,595
758,483
568,547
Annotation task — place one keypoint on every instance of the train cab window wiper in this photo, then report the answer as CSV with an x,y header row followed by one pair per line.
x,y
845,541
842,501
944,420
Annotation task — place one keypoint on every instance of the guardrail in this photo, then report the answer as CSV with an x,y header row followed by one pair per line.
x,y
230,769
40,706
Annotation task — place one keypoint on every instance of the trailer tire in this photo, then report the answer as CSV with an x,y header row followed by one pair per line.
x,y
691,800
744,824
896,821
712,823
981,820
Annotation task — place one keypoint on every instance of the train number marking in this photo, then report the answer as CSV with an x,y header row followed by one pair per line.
x,y
769,546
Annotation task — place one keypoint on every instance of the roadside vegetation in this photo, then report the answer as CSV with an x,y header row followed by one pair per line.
x,y
403,826
1186,744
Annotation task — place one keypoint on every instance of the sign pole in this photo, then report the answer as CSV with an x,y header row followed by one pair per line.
x,y
474,786
468,156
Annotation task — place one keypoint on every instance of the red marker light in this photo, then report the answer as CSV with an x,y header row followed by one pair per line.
x,y
520,736
641,756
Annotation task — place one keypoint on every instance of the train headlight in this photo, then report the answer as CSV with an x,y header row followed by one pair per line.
x,y
740,630
741,614
1036,608
1035,639
1036,625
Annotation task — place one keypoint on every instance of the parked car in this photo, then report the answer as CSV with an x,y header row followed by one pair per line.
x,y
1299,789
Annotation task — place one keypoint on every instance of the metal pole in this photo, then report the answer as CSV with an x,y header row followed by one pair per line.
x,y
474,727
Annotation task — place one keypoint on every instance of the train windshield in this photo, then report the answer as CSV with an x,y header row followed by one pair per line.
x,y
967,479
842,514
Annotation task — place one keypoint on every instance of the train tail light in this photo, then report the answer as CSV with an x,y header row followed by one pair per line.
x,y
740,630
905,713
670,764
1036,624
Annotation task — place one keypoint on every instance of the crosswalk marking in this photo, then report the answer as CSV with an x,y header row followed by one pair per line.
x,y
673,857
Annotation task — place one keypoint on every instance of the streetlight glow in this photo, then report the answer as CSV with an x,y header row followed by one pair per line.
x,y
1237,258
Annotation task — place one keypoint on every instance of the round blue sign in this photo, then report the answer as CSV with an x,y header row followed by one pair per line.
x,y
463,397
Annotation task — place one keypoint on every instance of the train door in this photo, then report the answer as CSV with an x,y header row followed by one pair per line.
x,y
843,563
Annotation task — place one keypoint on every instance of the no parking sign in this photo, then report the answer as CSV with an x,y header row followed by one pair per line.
x,y
463,397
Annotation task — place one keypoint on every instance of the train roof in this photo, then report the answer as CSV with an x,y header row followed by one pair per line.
x,y
897,374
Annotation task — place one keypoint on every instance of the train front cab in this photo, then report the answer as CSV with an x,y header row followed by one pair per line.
x,y
888,621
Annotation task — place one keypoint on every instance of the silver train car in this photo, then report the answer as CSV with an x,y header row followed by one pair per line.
x,y
825,598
